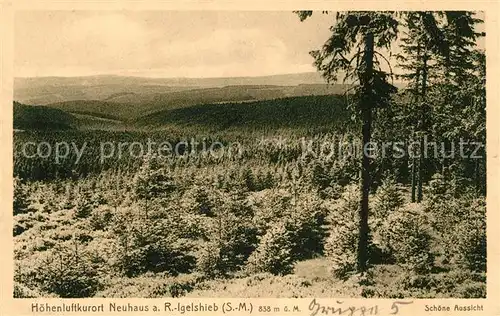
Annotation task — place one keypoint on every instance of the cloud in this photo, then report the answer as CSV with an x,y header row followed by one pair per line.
x,y
115,43
225,48
108,28
225,52
109,41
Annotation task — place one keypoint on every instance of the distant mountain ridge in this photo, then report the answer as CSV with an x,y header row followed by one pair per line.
x,y
126,99
48,90
280,80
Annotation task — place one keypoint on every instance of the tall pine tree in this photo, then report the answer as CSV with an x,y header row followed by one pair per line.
x,y
353,51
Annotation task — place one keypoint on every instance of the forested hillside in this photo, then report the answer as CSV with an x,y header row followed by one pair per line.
x,y
41,118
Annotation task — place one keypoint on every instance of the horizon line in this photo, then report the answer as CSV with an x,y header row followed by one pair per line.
x,y
181,77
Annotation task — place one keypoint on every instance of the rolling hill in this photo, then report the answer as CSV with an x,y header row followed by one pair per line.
x,y
47,90
290,112
102,102
129,106
42,118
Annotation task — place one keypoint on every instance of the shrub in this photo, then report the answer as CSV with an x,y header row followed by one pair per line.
x,y
69,273
470,241
257,181
307,227
210,261
250,180
153,181
101,218
443,209
328,172
23,222
274,253
473,290
461,224
177,288
231,236
155,257
271,204
341,245
198,200
461,283
149,285
50,207
84,205
304,213
438,188
409,280
406,234
228,251
150,246
21,200
69,197
21,291
387,199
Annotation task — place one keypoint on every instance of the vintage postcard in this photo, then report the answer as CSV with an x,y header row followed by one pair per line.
x,y
260,158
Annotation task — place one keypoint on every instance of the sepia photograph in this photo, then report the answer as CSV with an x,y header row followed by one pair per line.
x,y
249,154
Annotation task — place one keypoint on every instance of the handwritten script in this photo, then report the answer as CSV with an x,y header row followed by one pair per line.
x,y
316,308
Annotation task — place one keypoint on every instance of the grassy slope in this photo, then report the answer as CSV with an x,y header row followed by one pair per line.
x,y
91,121
310,278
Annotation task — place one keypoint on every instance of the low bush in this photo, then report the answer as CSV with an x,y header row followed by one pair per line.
x,y
255,181
84,205
153,180
274,253
407,236
22,291
386,200
66,272
149,285
231,236
470,239
101,218
150,246
305,216
21,197
307,226
341,245
210,261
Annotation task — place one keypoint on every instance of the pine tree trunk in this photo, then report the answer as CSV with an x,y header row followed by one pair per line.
x,y
413,180
423,128
420,170
366,109
403,171
416,94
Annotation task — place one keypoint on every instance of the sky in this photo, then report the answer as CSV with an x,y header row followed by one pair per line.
x,y
165,43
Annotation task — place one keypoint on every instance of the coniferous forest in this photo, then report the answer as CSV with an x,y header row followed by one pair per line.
x,y
372,184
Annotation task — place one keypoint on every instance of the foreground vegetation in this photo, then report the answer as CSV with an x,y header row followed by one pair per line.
x,y
226,226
